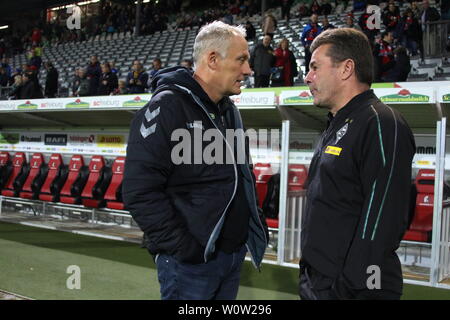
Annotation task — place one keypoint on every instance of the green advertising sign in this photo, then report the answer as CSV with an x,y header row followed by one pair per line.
x,y
9,138
405,96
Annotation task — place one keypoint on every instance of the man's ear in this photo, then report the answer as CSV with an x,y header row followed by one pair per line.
x,y
347,69
212,59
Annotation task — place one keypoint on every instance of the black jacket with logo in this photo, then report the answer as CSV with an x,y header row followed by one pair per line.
x,y
358,196
182,207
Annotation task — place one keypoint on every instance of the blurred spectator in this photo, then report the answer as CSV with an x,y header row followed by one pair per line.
x,y
251,32
137,78
51,82
428,13
261,61
269,24
391,17
187,63
383,55
16,87
285,60
286,9
30,87
401,68
349,23
75,83
83,87
445,9
326,8
359,5
410,33
310,32
112,64
36,36
315,8
4,79
415,9
122,88
326,24
35,61
108,81
157,65
5,65
303,10
93,74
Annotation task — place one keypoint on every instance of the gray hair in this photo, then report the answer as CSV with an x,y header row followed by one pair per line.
x,y
215,35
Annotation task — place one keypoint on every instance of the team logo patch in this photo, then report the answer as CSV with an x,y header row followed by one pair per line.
x,y
333,150
342,131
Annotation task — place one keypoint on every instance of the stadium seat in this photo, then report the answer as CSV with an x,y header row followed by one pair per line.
x,y
297,177
17,177
113,194
76,180
422,222
56,176
263,172
5,168
36,176
97,182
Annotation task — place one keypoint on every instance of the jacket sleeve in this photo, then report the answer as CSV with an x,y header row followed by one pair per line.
x,y
148,167
384,165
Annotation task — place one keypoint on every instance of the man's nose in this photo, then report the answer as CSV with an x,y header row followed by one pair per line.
x,y
308,77
246,70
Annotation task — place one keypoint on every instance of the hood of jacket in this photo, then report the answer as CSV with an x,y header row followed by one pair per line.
x,y
182,77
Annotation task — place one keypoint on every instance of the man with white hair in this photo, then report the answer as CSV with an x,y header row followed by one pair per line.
x,y
199,217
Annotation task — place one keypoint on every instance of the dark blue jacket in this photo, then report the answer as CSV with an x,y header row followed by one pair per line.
x,y
182,207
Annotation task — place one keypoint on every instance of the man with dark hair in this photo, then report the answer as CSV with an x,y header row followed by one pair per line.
x,y
51,82
310,32
261,61
93,74
383,53
359,179
137,78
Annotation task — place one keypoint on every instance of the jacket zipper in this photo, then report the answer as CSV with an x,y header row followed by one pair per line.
x,y
234,165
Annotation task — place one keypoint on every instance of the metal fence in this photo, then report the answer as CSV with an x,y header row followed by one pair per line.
x,y
436,38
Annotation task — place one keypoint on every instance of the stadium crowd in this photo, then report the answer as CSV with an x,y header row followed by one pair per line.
x,y
272,66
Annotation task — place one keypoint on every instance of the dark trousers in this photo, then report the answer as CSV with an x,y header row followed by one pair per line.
x,y
316,286
262,81
218,279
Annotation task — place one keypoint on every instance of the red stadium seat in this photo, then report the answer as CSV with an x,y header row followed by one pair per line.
x,y
422,223
297,177
5,168
56,176
113,194
97,182
263,172
17,176
36,176
76,180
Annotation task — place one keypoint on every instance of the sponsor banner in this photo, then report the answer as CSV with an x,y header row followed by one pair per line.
x,y
27,104
406,95
77,103
52,104
110,141
108,101
30,138
9,138
254,99
55,139
443,94
8,105
296,97
80,139
135,101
